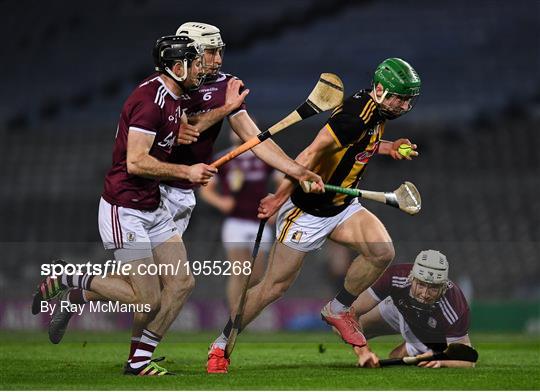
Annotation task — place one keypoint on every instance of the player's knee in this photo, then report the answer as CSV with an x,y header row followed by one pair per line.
x,y
183,287
188,284
382,254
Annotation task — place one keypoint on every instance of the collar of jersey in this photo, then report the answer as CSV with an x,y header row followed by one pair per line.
x,y
167,89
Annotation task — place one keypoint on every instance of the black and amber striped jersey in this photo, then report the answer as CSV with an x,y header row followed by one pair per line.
x,y
357,128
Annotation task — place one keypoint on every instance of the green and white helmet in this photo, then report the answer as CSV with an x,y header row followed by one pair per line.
x,y
430,266
397,77
206,35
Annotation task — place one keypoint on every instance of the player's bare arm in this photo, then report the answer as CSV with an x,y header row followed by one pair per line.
x,y
364,303
387,147
141,163
322,145
272,154
210,194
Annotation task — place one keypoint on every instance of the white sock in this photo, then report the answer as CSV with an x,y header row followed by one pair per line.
x,y
221,341
337,307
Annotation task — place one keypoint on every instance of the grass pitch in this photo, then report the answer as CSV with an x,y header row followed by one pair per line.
x,y
286,361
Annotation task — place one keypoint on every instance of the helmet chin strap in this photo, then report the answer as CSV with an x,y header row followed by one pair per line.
x,y
383,96
179,79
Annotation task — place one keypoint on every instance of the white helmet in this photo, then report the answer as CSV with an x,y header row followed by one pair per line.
x,y
206,35
430,266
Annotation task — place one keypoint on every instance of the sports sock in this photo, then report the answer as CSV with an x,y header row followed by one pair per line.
x,y
76,296
145,349
133,347
227,330
81,281
342,301
222,339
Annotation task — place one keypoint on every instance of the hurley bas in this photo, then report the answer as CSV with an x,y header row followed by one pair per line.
x,y
104,306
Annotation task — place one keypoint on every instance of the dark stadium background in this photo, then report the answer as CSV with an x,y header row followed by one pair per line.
x,y
68,66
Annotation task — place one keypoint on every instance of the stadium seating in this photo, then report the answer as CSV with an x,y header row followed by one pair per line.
x,y
478,171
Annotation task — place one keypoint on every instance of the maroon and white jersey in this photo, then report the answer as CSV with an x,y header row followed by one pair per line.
x,y
152,109
210,95
246,179
432,325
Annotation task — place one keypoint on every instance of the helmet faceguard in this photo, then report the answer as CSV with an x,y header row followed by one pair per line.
x,y
429,274
172,49
401,87
209,38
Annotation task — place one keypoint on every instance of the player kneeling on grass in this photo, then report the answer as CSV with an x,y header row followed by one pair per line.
x,y
419,302
339,154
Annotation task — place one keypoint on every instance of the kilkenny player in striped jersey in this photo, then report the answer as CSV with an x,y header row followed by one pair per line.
x,y
339,154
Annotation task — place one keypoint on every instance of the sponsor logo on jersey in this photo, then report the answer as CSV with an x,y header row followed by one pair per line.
x,y
168,141
208,89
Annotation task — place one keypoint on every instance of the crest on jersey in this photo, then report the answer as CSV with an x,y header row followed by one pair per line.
x,y
432,322
130,235
296,236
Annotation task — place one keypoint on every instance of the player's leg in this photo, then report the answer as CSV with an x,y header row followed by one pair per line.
x,y
366,234
235,282
177,283
284,265
238,237
62,314
373,324
363,232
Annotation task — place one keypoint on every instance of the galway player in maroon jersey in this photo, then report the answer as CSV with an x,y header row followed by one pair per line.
x,y
217,98
419,302
132,219
236,191
206,108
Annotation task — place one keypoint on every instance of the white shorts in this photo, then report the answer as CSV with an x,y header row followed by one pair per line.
x,y
180,203
395,320
241,233
133,233
304,232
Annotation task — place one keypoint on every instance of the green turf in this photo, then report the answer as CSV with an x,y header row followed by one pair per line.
x,y
261,361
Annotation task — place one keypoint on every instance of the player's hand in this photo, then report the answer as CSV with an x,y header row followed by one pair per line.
x,y
311,182
233,97
429,364
366,357
269,206
201,173
188,134
395,146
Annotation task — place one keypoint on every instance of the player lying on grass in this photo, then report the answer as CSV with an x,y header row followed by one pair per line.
x,y
339,154
419,302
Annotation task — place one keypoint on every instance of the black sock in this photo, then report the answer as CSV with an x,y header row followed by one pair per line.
x,y
345,298
228,328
